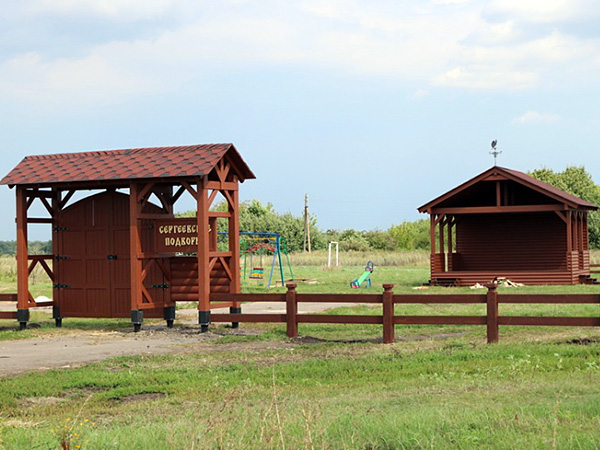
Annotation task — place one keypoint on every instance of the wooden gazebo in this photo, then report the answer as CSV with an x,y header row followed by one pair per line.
x,y
504,223
119,252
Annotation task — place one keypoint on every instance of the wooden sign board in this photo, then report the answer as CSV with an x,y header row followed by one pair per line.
x,y
176,235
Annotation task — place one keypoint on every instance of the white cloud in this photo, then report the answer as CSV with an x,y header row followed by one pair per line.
x,y
536,117
447,43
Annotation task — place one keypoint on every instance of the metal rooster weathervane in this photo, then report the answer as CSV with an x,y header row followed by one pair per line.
x,y
494,151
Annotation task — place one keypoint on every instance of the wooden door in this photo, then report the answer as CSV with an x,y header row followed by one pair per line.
x,y
93,271
84,243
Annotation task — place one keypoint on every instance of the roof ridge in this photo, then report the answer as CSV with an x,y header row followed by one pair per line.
x,y
76,155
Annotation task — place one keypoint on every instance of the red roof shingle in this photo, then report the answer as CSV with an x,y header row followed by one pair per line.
x,y
111,165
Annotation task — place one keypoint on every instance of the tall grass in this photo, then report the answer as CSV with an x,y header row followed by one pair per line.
x,y
356,258
595,256
8,271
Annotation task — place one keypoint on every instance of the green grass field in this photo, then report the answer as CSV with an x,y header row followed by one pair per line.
x,y
335,387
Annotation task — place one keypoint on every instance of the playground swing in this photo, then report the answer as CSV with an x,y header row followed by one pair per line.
x,y
260,248
256,248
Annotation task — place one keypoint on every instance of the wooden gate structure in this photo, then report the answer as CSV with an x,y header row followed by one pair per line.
x,y
504,223
119,252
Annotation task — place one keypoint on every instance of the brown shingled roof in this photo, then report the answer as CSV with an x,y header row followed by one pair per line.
x,y
111,165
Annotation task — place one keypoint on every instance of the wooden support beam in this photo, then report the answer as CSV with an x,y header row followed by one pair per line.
x,y
432,224
225,214
442,246
30,200
234,243
40,220
226,267
36,193
561,215
498,209
143,195
135,247
203,254
450,225
190,189
498,194
211,197
222,185
65,200
47,206
165,271
228,197
22,267
178,194
57,205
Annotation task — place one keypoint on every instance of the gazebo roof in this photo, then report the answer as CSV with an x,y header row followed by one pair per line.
x,y
115,165
497,173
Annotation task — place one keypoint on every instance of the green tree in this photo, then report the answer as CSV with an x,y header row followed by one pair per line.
x,y
411,235
380,240
575,180
258,218
353,240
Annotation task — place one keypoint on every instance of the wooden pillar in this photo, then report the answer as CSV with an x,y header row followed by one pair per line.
x,y
432,233
442,246
203,254
581,237
576,231
135,265
56,294
586,238
450,224
569,233
234,248
22,259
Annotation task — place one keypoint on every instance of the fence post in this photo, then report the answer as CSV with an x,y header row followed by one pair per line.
x,y
492,313
388,314
291,310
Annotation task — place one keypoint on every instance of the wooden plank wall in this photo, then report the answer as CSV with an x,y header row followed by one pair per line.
x,y
511,242
184,279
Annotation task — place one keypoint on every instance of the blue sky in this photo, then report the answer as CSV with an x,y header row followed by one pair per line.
x,y
371,107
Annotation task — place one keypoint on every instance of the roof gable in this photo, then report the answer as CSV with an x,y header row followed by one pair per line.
x,y
527,186
128,164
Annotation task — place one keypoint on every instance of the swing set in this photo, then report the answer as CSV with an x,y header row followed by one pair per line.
x,y
260,248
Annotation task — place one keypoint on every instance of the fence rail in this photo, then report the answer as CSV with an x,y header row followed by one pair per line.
x,y
388,319
11,298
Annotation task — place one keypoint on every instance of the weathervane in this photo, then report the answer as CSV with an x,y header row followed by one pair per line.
x,y
494,151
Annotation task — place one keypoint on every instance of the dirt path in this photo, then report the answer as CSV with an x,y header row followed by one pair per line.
x,y
75,347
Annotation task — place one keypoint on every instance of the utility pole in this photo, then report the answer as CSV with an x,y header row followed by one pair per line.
x,y
306,225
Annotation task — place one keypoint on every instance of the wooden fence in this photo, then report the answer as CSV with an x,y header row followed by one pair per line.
x,y
594,268
492,320
10,298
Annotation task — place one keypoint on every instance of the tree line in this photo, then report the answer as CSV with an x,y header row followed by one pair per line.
x,y
258,217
